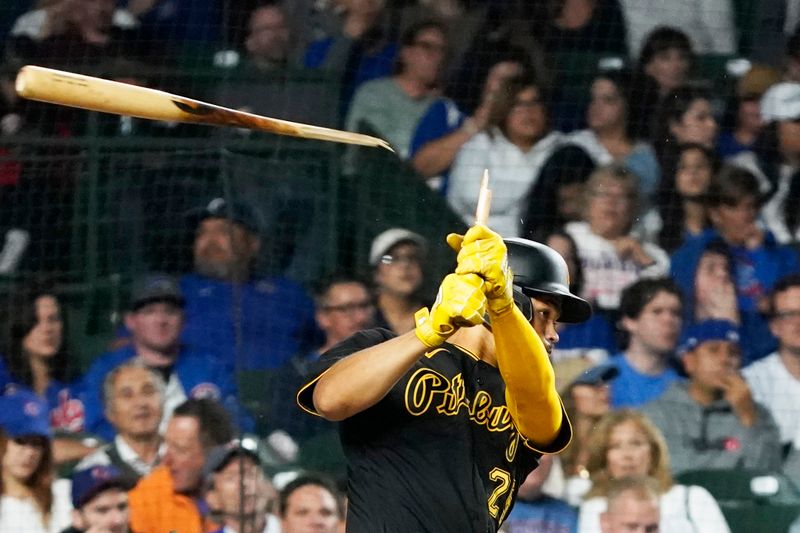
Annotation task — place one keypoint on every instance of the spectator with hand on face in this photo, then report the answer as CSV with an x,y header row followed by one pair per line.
x,y
759,260
712,421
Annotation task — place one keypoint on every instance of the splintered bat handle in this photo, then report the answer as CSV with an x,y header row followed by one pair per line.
x,y
484,200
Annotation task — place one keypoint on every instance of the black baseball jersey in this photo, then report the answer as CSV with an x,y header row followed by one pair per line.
x,y
439,453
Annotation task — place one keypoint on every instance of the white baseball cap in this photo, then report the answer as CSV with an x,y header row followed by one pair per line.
x,y
781,102
391,237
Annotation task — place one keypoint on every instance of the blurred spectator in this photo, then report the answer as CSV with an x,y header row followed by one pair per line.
x,y
580,25
775,160
344,306
514,147
775,379
711,421
626,444
612,256
534,511
650,315
29,499
35,358
268,41
100,500
608,138
170,497
681,211
392,106
133,400
357,47
445,128
586,401
791,68
664,64
632,506
745,110
581,345
556,196
155,318
238,493
396,257
685,115
758,260
709,22
462,18
711,293
75,33
251,323
310,503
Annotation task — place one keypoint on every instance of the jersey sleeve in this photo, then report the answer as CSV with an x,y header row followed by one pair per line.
x,y
355,343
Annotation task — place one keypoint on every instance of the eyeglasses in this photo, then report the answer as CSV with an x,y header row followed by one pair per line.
x,y
349,307
408,259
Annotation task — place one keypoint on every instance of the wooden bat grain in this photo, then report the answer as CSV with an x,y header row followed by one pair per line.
x,y
107,96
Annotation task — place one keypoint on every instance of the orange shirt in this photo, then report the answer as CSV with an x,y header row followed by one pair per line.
x,y
156,508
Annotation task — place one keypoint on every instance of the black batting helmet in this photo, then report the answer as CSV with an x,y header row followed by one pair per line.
x,y
540,270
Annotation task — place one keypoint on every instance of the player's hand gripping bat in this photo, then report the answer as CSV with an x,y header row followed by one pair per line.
x,y
97,94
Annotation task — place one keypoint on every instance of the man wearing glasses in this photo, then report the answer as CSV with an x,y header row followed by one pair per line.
x,y
396,259
775,379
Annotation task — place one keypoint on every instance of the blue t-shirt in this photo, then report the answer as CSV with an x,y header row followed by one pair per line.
x,y
276,319
633,389
544,515
67,411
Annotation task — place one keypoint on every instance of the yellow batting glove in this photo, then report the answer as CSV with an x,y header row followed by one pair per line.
x,y
481,251
460,302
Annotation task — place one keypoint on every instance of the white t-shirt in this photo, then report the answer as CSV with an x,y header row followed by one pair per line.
x,y
605,273
22,516
512,173
777,390
684,509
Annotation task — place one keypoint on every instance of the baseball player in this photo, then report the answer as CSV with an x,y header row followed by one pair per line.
x,y
441,425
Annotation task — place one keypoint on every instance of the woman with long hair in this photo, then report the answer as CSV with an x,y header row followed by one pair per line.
x,y
517,142
626,444
609,137
30,501
682,210
34,357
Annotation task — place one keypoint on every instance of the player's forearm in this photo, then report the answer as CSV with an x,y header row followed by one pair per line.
x,y
531,395
362,379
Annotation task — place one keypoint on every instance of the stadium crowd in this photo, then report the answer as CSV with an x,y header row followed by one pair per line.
x,y
669,184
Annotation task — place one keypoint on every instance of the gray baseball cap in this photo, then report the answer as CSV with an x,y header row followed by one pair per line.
x,y
156,288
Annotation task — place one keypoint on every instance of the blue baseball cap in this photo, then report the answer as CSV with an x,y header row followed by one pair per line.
x,y
597,375
91,481
707,330
24,414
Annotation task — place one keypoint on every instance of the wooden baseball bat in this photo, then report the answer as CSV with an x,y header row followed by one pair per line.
x,y
97,94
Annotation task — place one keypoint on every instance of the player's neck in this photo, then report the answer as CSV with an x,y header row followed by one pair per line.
x,y
477,340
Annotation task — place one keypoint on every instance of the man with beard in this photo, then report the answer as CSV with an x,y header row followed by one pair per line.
x,y
251,323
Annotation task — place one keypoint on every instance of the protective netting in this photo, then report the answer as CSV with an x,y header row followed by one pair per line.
x,y
638,137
